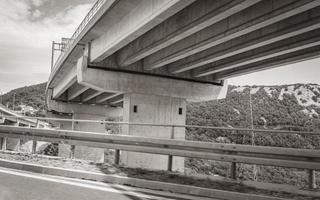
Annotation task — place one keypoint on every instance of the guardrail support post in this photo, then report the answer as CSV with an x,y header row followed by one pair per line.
x,y
312,179
4,143
72,147
117,157
170,157
233,170
34,146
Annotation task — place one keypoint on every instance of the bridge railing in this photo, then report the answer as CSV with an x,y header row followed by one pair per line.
x,y
70,42
233,153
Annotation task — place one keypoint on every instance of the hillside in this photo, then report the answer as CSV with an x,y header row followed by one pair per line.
x,y
29,95
287,107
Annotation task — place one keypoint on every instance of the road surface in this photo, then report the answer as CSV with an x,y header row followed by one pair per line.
x,y
21,185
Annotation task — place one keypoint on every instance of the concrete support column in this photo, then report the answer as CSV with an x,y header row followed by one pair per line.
x,y
86,112
158,110
13,144
83,152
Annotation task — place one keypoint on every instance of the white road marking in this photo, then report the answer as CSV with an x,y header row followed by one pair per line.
x,y
74,183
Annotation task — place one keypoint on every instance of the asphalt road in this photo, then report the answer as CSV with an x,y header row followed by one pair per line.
x,y
21,185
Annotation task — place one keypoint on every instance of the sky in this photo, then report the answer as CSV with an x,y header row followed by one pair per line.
x,y
28,27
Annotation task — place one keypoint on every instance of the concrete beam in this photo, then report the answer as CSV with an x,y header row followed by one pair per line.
x,y
132,20
67,81
124,82
198,16
257,17
106,97
85,109
90,94
264,54
116,101
287,59
75,90
214,54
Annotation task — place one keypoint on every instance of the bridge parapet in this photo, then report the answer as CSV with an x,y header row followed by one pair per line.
x,y
72,41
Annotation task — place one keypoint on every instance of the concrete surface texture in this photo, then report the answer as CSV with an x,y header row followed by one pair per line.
x,y
157,110
85,112
153,53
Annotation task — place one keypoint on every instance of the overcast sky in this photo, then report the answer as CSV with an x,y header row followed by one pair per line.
x,y
29,26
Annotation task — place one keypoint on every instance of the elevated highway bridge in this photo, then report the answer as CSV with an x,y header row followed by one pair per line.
x,y
141,60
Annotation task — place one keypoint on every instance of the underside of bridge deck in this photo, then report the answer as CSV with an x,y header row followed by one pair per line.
x,y
178,51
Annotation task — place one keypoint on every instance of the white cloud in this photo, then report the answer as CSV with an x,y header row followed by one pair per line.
x,y
36,14
26,34
13,10
38,3
19,29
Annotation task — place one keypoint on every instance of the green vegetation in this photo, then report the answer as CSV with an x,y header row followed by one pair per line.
x,y
287,107
273,110
29,95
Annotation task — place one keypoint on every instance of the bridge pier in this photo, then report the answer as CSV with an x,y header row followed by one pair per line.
x,y
155,109
13,144
145,98
82,152
89,112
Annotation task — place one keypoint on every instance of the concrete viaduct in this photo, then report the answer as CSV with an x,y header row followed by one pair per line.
x,y
142,60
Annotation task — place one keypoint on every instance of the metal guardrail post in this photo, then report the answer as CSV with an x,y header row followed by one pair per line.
x,y
170,157
4,143
72,147
117,151
233,171
312,179
117,157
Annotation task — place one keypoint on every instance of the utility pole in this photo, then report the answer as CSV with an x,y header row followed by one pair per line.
x,y
255,168
13,101
251,118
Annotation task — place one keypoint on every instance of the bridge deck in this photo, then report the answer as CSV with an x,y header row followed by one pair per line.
x,y
201,41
